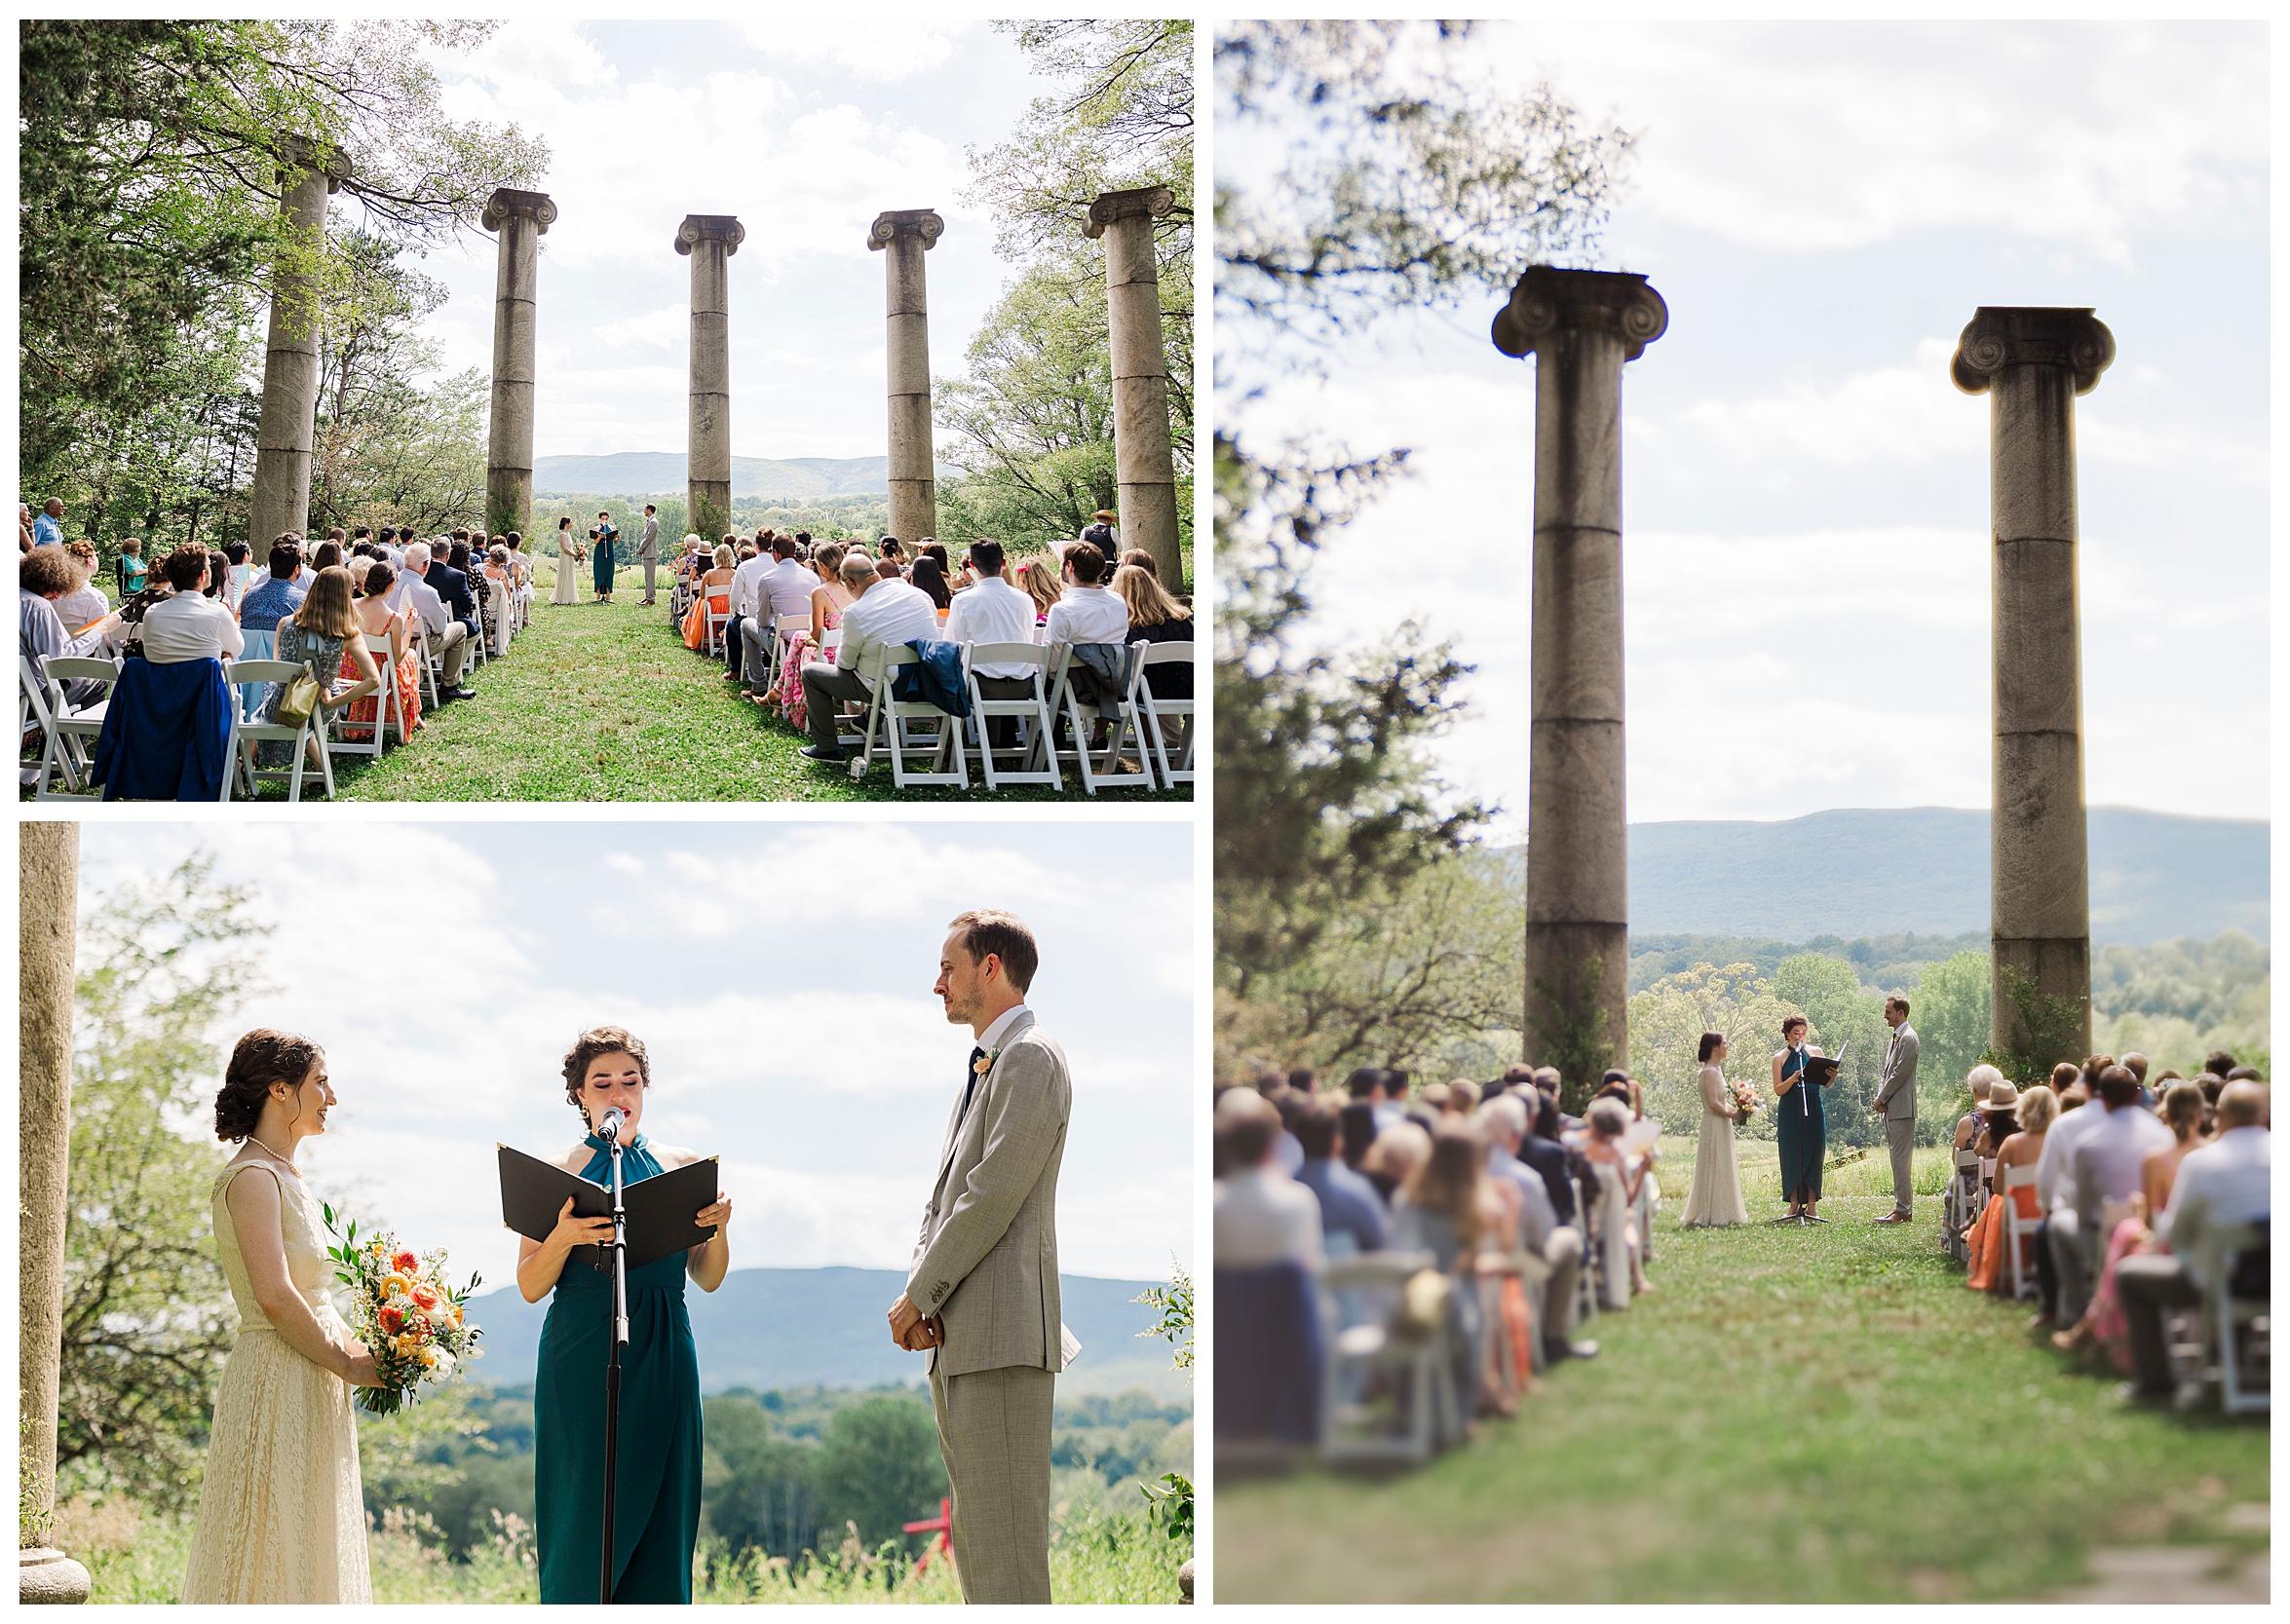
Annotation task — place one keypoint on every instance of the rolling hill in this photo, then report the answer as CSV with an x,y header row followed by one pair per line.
x,y
770,1328
662,473
1854,873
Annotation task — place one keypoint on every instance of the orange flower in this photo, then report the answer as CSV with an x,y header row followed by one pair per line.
x,y
393,1320
405,1262
424,1297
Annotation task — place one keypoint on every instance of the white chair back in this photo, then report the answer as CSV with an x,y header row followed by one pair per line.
x,y
1166,716
246,734
67,753
1030,716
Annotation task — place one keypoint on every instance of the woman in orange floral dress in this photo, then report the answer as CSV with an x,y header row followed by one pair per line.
x,y
2036,1109
375,619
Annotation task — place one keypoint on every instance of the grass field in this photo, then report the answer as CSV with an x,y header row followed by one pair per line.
x,y
1093,1558
1793,1415
603,702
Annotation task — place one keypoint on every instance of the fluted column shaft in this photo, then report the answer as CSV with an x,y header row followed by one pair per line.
x,y
906,236
1582,326
711,239
522,218
1144,465
2031,362
279,501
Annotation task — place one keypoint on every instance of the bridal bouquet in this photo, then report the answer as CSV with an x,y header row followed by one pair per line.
x,y
1745,1100
403,1311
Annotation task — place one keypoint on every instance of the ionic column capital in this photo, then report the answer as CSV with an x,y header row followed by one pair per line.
x,y
1547,301
1138,202
711,228
299,153
538,207
893,223
1999,336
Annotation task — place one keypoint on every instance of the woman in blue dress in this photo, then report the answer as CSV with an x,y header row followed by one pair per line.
x,y
656,1509
601,542
1797,1116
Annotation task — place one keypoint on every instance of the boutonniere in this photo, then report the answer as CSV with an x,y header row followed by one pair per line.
x,y
985,1062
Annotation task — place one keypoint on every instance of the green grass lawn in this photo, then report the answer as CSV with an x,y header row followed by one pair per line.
x,y
603,702
1799,1414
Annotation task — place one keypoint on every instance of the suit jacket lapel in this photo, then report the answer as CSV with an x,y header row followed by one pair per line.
x,y
954,1122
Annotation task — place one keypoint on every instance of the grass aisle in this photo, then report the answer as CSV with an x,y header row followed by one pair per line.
x,y
603,702
1820,1414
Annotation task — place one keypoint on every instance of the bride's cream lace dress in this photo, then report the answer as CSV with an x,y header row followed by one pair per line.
x,y
281,1517
1716,1199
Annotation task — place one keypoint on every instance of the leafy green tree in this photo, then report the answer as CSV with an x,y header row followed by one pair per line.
x,y
1949,1008
880,1468
148,1314
1668,1020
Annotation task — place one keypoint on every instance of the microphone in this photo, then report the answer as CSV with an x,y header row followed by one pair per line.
x,y
609,1129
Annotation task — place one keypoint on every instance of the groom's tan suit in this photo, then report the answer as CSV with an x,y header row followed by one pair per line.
x,y
986,1265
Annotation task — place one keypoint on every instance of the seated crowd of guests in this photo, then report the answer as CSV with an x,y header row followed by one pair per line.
x,y
2134,1181
795,618
1510,1198
350,606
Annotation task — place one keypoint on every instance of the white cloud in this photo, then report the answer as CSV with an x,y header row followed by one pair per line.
x,y
891,51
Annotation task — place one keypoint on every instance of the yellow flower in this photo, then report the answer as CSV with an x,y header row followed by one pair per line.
x,y
395,1285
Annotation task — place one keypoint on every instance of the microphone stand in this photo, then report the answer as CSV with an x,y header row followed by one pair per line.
x,y
620,1337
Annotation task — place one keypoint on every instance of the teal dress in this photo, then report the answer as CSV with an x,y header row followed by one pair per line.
x,y
601,559
657,1515
1803,1132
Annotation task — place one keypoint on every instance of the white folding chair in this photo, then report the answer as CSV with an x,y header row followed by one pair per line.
x,y
387,713
72,730
716,621
2243,1326
1588,1277
888,717
2019,1233
429,666
244,736
1030,713
1100,769
1163,717
1427,1361
35,709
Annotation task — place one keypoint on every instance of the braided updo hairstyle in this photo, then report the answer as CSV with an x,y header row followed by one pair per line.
x,y
263,1058
597,1041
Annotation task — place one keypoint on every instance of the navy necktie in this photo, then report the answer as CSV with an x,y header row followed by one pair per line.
x,y
970,1087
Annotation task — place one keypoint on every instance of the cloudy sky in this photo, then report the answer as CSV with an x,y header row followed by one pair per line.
x,y
779,974
1805,492
801,125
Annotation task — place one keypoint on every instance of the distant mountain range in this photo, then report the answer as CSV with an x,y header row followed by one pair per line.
x,y
1855,873
663,473
770,1328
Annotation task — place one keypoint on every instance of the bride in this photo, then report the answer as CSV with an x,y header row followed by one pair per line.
x,y
568,587
1717,1174
282,1514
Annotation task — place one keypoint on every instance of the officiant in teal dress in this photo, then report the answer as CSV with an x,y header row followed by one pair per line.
x,y
1801,1130
601,556
657,1508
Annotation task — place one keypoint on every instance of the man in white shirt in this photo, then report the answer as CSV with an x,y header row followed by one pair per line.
x,y
743,637
783,593
446,635
2102,1167
190,625
2218,1186
883,614
992,610
1086,613
1262,1216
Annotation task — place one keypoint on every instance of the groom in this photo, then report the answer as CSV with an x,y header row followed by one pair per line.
x,y
982,1288
1897,1104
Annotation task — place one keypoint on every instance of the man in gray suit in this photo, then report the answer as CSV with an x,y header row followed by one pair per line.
x,y
982,1289
648,550
1897,1104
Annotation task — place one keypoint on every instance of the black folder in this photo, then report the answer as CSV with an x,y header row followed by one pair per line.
x,y
659,1209
1821,1068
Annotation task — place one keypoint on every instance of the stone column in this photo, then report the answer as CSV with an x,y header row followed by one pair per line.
x,y
905,234
1144,463
710,240
281,498
522,218
2031,362
1580,327
47,923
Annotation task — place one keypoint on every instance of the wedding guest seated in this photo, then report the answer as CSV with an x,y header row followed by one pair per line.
x,y
884,616
827,601
130,569
1981,1081
190,625
1269,1251
324,633
2099,1169
1348,1203
1987,1268
2219,1062
1463,1097
1156,618
84,604
1037,578
43,577
1086,611
1543,1231
1619,1176
2220,1185
1288,1152
786,587
448,637
1433,1100
376,619
930,576
892,552
1542,1151
712,596
1392,1158
2102,1325
1139,559
1358,1133
1440,1210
